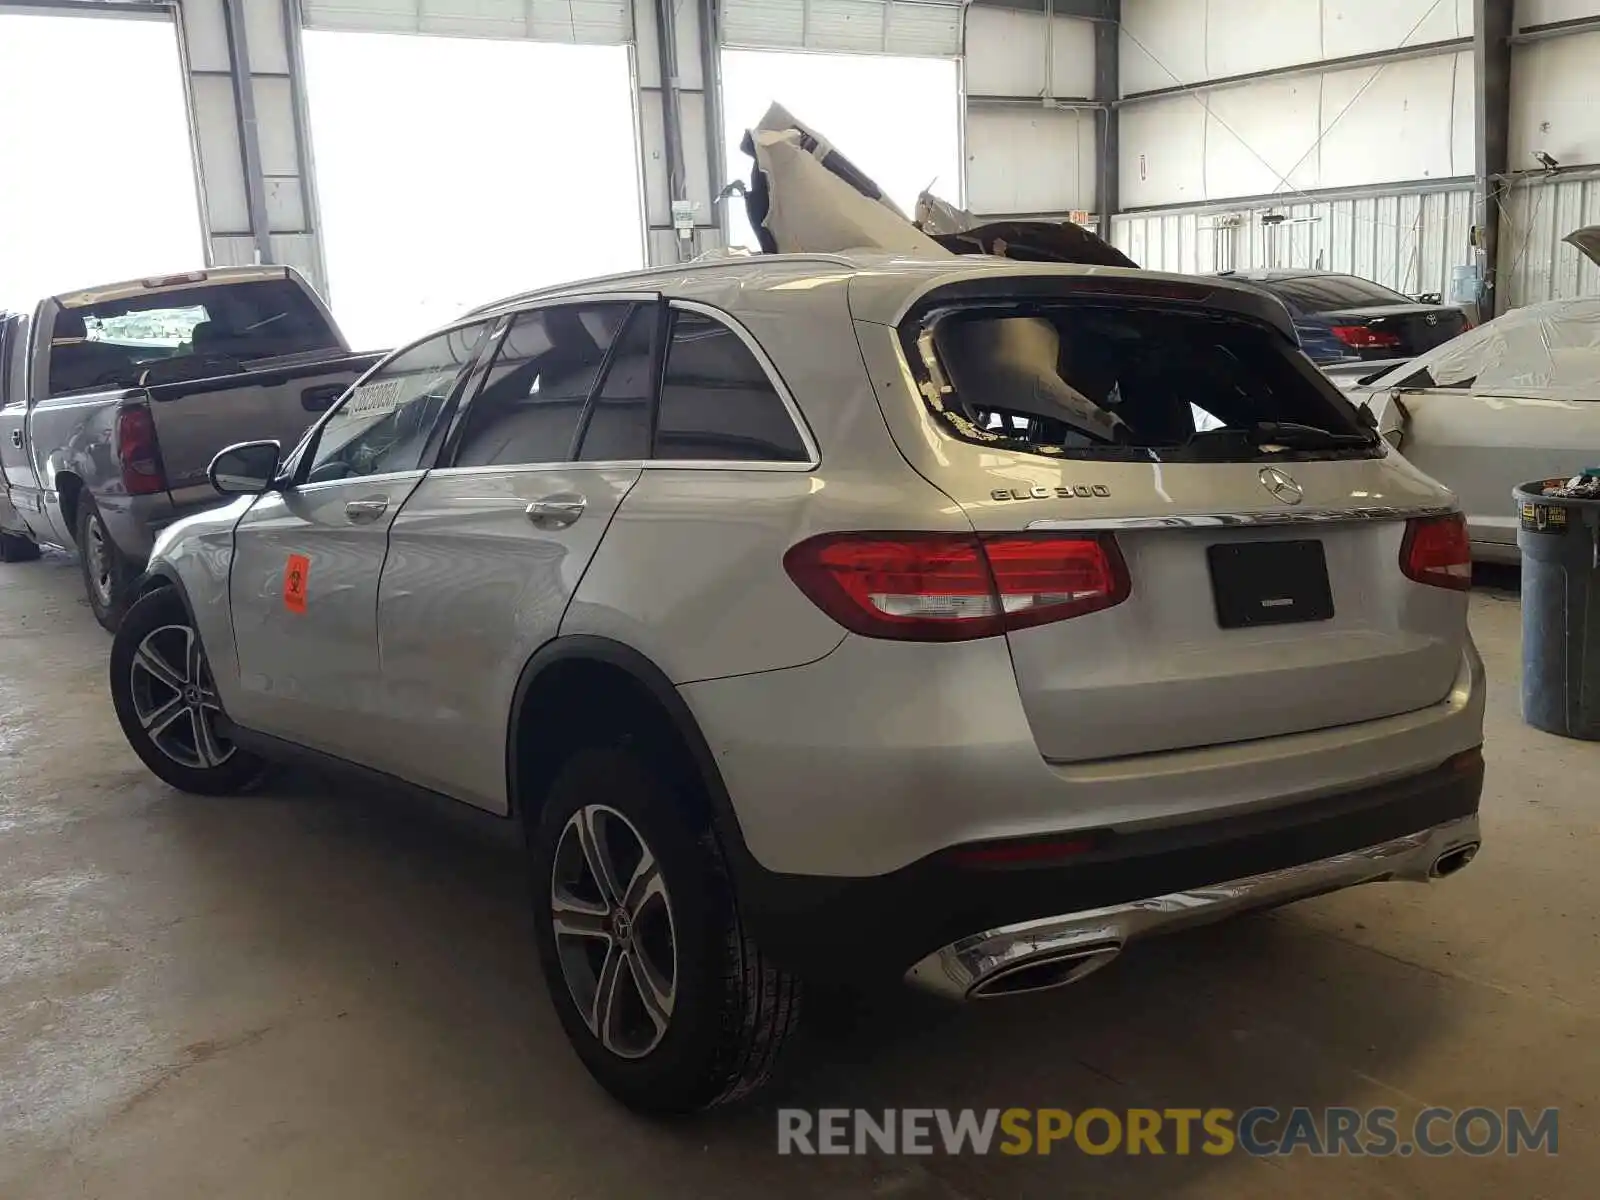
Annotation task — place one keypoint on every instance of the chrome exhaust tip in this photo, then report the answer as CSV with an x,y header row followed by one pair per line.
x,y
1453,860
1042,973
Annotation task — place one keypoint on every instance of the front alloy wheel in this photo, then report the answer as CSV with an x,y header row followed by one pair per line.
x,y
614,932
175,699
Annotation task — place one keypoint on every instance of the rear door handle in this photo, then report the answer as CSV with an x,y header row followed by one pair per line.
x,y
556,512
364,512
16,437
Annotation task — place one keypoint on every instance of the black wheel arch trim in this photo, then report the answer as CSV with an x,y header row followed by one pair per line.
x,y
593,648
159,577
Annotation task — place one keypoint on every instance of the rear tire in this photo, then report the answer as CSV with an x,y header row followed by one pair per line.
x,y
167,704
719,1011
108,576
15,548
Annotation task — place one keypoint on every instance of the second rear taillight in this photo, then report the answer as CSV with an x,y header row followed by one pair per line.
x,y
1437,551
1364,337
946,587
137,454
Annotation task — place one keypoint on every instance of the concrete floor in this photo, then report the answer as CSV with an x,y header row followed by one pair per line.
x,y
306,993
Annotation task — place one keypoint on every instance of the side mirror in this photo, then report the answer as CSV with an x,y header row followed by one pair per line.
x,y
247,469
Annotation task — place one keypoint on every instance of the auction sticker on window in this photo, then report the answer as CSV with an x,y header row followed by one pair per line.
x,y
296,578
374,399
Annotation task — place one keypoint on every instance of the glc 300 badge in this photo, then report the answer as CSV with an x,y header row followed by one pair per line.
x,y
1065,492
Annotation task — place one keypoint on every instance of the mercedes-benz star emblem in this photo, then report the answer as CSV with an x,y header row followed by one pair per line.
x,y
1281,485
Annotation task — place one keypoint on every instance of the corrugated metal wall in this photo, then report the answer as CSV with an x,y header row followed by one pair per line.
x,y
1407,241
1535,264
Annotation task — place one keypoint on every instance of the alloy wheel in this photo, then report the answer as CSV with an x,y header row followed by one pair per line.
x,y
175,698
614,930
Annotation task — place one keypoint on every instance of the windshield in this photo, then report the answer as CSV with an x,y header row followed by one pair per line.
x,y
1329,293
111,343
1139,382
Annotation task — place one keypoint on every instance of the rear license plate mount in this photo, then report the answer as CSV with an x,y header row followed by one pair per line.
x,y
1269,583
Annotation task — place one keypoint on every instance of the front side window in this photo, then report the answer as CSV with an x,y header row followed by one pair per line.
x,y
717,402
387,422
111,343
536,388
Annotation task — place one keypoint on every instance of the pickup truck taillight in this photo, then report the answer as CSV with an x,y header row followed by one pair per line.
x,y
137,453
935,587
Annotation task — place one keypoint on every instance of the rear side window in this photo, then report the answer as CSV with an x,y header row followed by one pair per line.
x,y
717,402
1327,293
533,397
618,428
1147,383
110,344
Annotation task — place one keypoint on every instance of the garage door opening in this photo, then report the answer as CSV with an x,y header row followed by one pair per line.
x,y
454,171
95,155
897,118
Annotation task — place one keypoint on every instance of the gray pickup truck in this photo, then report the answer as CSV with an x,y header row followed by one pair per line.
x,y
114,399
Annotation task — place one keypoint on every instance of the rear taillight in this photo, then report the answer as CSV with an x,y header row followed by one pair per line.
x,y
1437,551
1363,337
137,453
935,587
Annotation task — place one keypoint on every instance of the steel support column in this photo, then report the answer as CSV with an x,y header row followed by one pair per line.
x,y
244,109
1107,83
1493,22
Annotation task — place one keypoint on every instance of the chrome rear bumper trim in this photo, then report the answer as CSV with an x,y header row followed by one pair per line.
x,y
964,967
1269,517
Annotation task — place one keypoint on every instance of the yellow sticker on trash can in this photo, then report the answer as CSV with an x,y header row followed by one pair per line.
x,y
1544,518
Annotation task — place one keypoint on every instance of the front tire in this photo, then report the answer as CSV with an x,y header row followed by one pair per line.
x,y
665,998
167,704
15,548
108,576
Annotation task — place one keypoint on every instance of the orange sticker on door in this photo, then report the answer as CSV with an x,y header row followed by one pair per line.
x,y
296,578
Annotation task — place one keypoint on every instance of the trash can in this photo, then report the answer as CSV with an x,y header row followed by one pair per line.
x,y
1559,537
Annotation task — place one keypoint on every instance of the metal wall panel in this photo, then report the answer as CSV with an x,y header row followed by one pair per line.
x,y
603,22
1398,122
914,27
1408,241
1024,155
1555,99
1535,264
1171,42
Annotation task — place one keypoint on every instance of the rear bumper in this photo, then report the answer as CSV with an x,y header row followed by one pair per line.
x,y
1065,948
882,926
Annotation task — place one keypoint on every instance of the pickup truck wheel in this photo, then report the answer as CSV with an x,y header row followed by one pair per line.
x,y
167,704
107,575
16,548
666,999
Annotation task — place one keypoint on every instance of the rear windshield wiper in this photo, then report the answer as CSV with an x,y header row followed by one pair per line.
x,y
1289,434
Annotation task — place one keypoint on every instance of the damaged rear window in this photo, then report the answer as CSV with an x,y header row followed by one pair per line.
x,y
1147,383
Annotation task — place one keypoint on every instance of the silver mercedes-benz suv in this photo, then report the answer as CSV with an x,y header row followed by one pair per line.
x,y
842,615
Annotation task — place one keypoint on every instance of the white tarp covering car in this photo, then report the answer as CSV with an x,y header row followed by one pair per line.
x,y
1513,400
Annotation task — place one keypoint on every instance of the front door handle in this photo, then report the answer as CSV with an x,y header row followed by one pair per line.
x,y
364,512
556,512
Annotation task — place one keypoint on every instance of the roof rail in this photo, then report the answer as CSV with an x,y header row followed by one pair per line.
x,y
645,273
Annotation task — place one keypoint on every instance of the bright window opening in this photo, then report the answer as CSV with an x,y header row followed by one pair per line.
x,y
898,119
455,171
94,154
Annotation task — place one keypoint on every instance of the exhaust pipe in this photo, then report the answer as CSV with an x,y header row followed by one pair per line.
x,y
1041,973
1453,860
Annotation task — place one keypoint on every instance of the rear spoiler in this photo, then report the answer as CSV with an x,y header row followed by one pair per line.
x,y
804,195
